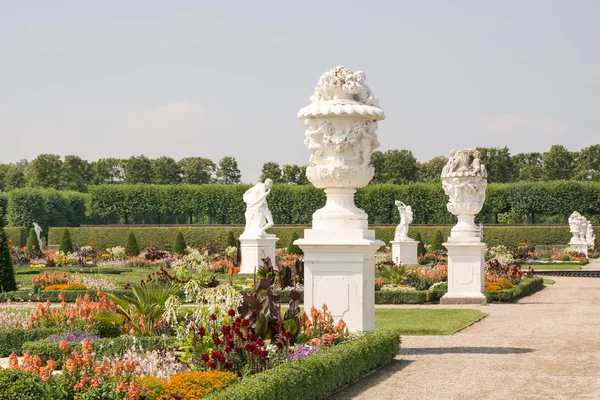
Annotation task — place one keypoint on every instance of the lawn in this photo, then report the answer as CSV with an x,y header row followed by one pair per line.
x,y
551,267
421,321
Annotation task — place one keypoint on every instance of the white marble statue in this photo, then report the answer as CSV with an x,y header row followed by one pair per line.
x,y
258,216
591,238
583,231
574,222
406,217
38,233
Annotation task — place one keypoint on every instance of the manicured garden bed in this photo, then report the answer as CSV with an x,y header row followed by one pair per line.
x,y
524,288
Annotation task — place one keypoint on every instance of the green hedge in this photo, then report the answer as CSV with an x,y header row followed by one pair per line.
x,y
93,270
17,235
407,297
518,291
163,237
317,376
12,340
52,295
104,347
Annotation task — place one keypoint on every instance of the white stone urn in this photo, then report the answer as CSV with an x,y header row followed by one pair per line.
x,y
574,225
464,180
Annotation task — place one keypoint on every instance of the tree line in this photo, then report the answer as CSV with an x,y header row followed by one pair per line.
x,y
393,167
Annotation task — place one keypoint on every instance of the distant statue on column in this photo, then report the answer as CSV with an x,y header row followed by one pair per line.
x,y
258,216
406,217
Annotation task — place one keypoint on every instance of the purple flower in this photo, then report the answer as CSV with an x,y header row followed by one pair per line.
x,y
303,351
72,337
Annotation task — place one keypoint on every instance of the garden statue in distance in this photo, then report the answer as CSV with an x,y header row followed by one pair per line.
x,y
591,238
258,216
38,233
406,217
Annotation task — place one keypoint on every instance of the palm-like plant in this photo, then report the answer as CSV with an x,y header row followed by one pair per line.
x,y
394,273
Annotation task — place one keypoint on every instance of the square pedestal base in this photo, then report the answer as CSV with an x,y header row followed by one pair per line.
x,y
341,275
466,269
254,250
404,252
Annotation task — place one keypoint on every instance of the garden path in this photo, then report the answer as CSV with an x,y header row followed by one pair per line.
x,y
544,346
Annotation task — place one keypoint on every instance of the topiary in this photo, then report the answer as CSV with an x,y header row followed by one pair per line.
x,y
16,384
132,248
291,247
231,239
66,246
438,240
7,273
33,244
179,246
420,246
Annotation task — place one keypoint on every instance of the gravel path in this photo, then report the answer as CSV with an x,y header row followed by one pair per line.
x,y
545,346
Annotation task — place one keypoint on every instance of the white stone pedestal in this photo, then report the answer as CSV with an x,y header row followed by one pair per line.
x,y
466,273
340,274
254,250
404,252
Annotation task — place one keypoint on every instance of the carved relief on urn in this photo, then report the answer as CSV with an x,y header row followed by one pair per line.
x,y
464,180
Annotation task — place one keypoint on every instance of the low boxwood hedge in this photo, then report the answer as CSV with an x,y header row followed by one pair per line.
x,y
52,295
12,340
319,375
83,270
47,350
520,290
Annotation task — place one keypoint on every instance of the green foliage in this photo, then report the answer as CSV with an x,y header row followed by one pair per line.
x,y
499,164
11,340
291,247
438,240
393,273
420,246
559,163
166,171
17,235
47,207
66,246
197,170
45,171
7,273
179,246
21,385
131,247
520,290
395,166
52,295
231,242
271,170
138,170
228,171
33,241
317,376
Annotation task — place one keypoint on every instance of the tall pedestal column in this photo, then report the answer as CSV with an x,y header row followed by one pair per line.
x,y
404,252
254,250
466,277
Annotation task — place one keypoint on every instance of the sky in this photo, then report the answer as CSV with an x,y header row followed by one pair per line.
x,y
226,78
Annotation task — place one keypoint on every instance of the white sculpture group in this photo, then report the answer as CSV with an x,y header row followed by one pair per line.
x,y
404,249
583,233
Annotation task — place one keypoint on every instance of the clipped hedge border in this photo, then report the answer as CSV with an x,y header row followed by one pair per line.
x,y
70,295
12,340
93,270
522,289
103,347
319,375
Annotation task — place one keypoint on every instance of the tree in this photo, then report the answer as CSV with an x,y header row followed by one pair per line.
x,y
132,248
559,163
294,174
76,174
66,246
291,247
437,242
108,171
45,171
271,170
138,170
14,178
33,243
394,166
530,166
588,163
166,171
432,169
179,246
197,170
7,273
420,245
228,171
231,239
498,163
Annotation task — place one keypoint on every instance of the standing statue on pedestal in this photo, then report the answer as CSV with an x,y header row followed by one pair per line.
x,y
406,217
591,238
258,216
38,233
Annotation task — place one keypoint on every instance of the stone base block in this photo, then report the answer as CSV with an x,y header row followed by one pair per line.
x,y
466,269
254,250
404,252
341,275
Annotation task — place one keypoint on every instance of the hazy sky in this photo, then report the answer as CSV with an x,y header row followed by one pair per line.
x,y
226,78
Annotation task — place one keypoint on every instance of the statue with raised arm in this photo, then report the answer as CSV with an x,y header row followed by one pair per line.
x,y
406,217
258,216
38,233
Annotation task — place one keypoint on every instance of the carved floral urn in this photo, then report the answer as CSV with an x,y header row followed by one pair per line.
x,y
464,180
341,124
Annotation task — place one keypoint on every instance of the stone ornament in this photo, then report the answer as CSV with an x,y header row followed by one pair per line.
x,y
38,233
591,238
258,216
406,217
583,222
464,180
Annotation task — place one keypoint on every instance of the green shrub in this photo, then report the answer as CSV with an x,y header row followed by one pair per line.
x,y
47,207
179,246
84,270
17,235
231,240
16,384
52,295
132,248
66,246
319,375
437,242
291,247
421,246
7,273
11,340
520,290
104,347
33,241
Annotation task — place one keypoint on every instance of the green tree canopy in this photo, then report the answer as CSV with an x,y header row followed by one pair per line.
x,y
45,171
394,166
294,174
76,174
166,171
198,170
588,163
228,171
432,169
559,163
530,166
138,170
108,171
499,164
271,170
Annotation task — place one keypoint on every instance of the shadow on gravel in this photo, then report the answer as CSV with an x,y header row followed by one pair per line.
x,y
370,380
464,350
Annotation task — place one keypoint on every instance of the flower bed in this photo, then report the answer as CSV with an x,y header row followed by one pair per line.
x,y
12,340
518,291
